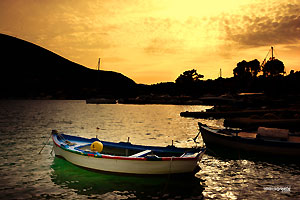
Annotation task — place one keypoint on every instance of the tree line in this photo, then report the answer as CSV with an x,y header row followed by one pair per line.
x,y
245,70
248,76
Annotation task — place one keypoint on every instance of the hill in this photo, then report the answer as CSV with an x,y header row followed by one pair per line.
x,y
30,71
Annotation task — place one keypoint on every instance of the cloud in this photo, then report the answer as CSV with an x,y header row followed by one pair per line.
x,y
278,24
161,35
163,46
115,59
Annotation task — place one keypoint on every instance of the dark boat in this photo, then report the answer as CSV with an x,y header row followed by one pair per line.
x,y
264,141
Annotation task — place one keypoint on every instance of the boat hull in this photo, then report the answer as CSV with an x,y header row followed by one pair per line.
x,y
213,139
128,165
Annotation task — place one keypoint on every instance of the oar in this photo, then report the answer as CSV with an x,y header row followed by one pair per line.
x,y
45,144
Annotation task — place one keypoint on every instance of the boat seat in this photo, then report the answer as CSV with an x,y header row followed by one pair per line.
x,y
187,155
141,154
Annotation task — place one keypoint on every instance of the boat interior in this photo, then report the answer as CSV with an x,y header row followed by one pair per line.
x,y
126,149
115,151
253,135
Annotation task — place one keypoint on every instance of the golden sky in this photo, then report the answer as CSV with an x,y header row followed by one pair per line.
x,y
154,41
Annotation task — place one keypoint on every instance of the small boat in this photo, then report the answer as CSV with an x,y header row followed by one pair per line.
x,y
100,101
124,157
271,141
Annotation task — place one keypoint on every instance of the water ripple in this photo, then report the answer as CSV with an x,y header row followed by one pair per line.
x,y
24,174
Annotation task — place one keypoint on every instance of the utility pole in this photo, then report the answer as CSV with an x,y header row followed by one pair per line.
x,y
99,64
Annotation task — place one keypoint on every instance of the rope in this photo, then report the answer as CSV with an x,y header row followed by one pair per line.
x,y
197,136
265,61
168,180
267,54
45,144
52,150
61,137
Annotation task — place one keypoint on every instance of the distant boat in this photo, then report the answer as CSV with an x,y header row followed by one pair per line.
x,y
270,141
124,157
101,101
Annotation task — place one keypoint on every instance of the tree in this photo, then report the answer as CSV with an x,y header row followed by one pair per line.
x,y
189,77
273,68
245,70
241,70
254,67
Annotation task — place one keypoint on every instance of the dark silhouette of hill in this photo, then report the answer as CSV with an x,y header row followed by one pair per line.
x,y
30,71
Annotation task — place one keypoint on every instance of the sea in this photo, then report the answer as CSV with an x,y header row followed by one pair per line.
x,y
29,168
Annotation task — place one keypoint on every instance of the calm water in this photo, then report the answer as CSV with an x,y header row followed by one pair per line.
x,y
25,127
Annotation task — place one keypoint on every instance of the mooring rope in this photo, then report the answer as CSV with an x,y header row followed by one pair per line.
x,y
45,144
61,137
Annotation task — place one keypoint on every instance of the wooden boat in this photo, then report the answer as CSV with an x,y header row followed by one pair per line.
x,y
271,141
124,157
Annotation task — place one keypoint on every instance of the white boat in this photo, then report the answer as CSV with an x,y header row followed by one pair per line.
x,y
124,157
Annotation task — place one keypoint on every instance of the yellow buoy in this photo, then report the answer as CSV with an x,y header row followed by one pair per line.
x,y
97,146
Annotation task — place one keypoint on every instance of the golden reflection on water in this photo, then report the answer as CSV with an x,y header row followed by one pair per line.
x,y
144,124
243,179
25,126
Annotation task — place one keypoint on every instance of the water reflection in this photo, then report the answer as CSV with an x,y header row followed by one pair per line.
x,y
245,179
103,185
223,153
25,126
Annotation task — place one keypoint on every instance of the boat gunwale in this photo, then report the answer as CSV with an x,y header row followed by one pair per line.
x,y
105,156
253,141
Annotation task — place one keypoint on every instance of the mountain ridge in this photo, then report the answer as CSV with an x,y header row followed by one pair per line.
x,y
30,71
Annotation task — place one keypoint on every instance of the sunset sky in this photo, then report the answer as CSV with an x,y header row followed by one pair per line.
x,y
154,41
